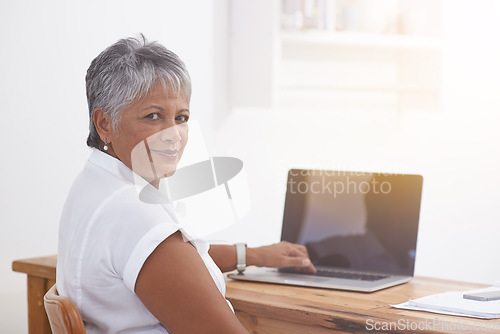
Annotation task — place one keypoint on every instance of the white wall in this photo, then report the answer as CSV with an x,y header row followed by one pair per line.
x,y
47,47
457,150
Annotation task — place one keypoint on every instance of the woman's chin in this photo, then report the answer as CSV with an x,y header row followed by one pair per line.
x,y
152,176
166,170
168,174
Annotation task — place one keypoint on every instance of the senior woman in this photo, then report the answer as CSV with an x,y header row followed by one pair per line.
x,y
131,265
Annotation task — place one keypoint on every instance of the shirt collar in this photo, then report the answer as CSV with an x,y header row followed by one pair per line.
x,y
147,193
112,165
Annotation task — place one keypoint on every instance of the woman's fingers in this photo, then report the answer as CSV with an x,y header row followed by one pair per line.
x,y
297,257
286,254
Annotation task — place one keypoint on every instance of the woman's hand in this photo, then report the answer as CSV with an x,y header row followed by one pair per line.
x,y
283,254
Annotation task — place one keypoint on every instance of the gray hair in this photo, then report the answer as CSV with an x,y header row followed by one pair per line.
x,y
126,71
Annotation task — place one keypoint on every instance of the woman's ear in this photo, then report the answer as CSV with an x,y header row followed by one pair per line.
x,y
103,125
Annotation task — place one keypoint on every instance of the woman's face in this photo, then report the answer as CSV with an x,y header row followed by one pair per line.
x,y
152,134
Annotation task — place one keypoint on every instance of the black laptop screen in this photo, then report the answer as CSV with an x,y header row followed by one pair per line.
x,y
362,221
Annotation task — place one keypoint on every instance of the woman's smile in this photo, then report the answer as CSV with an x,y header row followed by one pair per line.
x,y
170,154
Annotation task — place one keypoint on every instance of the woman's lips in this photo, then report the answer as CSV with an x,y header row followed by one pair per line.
x,y
170,154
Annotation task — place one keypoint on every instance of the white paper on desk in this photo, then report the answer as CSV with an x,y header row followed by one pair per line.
x,y
407,306
453,303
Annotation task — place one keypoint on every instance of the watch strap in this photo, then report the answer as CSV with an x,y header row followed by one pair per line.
x,y
241,257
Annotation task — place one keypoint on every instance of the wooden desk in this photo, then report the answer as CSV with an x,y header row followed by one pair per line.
x,y
41,276
266,308
269,308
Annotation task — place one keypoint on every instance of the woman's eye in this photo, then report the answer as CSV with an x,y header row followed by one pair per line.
x,y
153,116
182,118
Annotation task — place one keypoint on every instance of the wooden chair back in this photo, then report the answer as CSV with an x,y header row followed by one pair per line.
x,y
63,315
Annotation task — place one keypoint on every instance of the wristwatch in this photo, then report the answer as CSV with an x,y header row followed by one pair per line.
x,y
241,257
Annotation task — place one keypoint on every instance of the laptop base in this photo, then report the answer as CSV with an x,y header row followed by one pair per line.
x,y
272,275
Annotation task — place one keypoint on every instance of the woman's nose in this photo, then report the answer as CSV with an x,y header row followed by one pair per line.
x,y
170,134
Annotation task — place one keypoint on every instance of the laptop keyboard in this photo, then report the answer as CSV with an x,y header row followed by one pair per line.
x,y
335,273
344,274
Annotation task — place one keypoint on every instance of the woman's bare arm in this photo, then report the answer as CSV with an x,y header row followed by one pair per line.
x,y
283,254
178,290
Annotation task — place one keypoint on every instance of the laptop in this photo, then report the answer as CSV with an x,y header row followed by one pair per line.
x,y
360,229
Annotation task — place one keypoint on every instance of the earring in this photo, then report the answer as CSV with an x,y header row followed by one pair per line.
x,y
105,147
